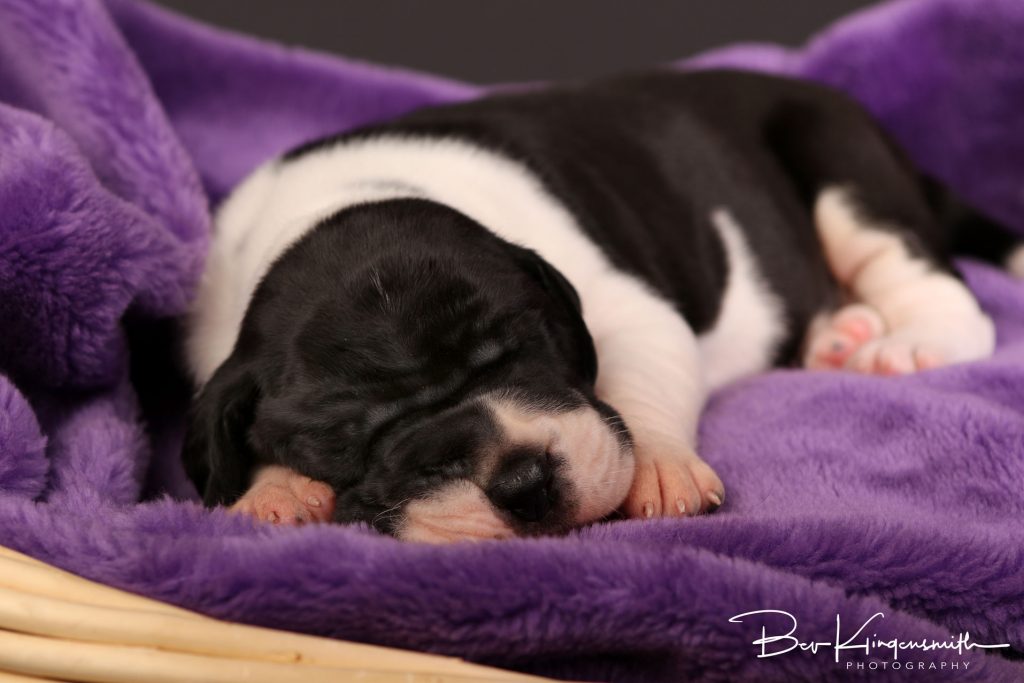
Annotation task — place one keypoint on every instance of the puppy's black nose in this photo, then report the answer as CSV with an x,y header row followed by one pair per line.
x,y
523,486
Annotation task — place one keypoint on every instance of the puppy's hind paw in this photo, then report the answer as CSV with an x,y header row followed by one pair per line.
x,y
893,356
835,342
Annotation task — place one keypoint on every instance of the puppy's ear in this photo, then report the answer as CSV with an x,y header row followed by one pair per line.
x,y
217,454
566,302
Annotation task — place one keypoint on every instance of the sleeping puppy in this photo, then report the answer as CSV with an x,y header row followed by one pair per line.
x,y
502,317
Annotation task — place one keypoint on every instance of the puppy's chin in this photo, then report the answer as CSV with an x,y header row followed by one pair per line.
x,y
595,470
457,512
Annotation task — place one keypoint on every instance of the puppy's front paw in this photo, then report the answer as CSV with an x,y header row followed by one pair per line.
x,y
672,483
281,496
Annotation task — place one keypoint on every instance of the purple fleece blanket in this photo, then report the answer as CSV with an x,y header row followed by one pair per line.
x,y
121,124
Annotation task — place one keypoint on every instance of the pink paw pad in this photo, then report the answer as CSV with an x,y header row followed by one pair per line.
x,y
836,342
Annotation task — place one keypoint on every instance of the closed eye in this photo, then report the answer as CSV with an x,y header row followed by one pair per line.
x,y
449,469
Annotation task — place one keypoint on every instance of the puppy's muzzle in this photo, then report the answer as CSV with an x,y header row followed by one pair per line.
x,y
524,485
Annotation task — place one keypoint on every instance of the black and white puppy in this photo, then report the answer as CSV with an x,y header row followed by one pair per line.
x,y
502,317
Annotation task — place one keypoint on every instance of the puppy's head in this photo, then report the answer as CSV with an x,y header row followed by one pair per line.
x,y
438,377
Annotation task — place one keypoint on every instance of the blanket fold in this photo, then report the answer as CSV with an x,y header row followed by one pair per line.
x,y
848,496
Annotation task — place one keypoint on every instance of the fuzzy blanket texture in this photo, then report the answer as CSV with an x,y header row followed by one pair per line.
x,y
121,124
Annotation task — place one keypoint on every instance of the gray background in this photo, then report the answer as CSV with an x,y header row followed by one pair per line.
x,y
514,40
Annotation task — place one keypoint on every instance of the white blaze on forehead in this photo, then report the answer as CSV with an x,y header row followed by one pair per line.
x,y
459,511
596,466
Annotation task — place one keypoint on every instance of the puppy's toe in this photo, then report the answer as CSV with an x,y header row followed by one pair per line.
x,y
709,485
672,486
859,322
891,356
895,359
272,503
317,498
244,506
644,498
829,351
833,344
279,495
926,358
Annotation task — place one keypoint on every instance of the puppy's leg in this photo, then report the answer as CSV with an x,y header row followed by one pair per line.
x,y
648,370
280,495
930,316
882,239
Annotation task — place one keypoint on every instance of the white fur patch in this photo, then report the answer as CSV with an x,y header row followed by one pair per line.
x,y
750,321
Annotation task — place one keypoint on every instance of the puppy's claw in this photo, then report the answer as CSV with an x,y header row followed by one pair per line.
x,y
715,499
671,482
314,501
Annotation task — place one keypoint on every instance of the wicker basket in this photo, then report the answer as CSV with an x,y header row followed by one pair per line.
x,y
58,626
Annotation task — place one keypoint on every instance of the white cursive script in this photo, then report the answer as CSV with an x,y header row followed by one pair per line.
x,y
787,642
